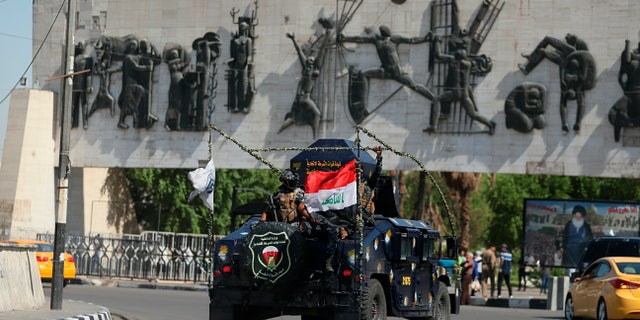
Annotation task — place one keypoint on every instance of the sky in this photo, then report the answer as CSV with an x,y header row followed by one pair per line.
x,y
16,38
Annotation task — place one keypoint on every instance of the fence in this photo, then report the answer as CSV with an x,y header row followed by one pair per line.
x,y
150,255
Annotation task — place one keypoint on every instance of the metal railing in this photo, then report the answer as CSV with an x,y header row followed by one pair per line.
x,y
150,255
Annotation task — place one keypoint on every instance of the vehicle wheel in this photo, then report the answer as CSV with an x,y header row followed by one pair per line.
x,y
272,255
321,316
374,302
602,310
568,308
442,303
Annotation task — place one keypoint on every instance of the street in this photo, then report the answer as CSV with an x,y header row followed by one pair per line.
x,y
149,304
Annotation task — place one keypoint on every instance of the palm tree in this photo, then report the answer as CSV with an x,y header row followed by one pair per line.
x,y
461,185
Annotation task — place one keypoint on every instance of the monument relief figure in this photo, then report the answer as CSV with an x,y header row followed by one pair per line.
x,y
525,106
577,71
445,74
133,93
207,51
82,85
460,89
149,56
304,110
387,48
179,88
625,113
108,49
240,74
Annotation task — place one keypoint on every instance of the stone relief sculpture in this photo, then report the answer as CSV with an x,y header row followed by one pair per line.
x,y
240,75
135,93
456,110
625,113
82,86
180,89
207,52
525,106
387,48
149,56
192,75
459,88
577,71
108,49
304,110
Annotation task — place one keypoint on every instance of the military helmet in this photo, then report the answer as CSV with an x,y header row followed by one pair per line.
x,y
289,178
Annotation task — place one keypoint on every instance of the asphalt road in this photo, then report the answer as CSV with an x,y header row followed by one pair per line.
x,y
149,304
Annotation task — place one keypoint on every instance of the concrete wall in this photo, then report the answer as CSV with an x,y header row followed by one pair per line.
x,y
93,206
604,25
19,278
28,183
27,196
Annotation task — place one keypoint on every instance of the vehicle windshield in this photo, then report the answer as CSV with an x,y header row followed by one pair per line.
x,y
629,267
45,247
599,249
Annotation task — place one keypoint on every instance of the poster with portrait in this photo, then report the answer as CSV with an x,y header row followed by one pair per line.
x,y
556,231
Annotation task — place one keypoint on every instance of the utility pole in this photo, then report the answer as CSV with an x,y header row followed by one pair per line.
x,y
64,165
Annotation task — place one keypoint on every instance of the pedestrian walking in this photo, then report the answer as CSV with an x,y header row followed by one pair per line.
x,y
488,271
505,270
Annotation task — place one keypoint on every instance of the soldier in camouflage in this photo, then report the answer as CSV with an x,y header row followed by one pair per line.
x,y
288,207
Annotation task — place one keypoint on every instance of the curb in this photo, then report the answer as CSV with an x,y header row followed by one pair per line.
x,y
102,314
522,303
150,284
132,284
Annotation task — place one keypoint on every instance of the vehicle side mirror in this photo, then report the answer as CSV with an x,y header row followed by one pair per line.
x,y
573,276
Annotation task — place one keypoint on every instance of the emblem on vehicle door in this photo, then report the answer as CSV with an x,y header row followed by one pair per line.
x,y
270,258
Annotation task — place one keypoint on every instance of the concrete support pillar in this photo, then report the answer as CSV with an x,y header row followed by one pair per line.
x,y
28,162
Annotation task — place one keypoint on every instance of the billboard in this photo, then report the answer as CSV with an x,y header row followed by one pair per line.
x,y
556,231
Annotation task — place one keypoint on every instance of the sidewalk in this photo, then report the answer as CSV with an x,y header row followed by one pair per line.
x,y
529,299
71,310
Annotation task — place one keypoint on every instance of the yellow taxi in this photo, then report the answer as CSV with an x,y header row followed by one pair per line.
x,y
44,257
608,289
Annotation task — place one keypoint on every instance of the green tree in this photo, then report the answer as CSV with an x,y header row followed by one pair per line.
x,y
434,211
163,194
462,185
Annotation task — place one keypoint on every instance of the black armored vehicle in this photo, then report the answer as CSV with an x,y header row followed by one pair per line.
x,y
389,267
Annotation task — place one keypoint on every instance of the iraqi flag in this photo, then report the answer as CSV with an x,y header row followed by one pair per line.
x,y
331,190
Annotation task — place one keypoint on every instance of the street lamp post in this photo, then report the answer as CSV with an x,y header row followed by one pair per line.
x,y
159,212
57,281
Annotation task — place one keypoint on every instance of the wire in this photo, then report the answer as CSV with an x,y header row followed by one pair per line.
x,y
14,36
37,52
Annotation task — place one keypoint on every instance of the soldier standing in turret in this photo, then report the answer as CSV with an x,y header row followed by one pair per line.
x,y
289,207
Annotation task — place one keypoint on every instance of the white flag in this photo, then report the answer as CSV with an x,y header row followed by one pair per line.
x,y
204,181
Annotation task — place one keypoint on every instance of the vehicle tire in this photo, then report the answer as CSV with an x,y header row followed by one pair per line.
x,y
273,256
442,303
321,316
374,302
569,308
602,310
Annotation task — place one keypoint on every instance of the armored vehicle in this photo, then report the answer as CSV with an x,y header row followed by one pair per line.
x,y
389,267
